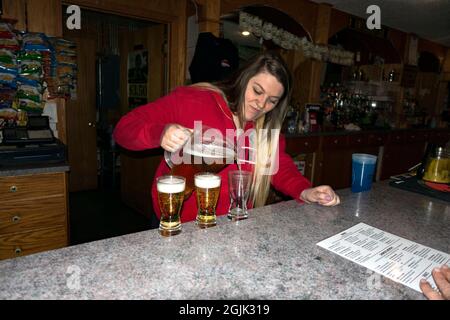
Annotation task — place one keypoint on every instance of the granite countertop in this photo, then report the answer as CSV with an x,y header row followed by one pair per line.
x,y
271,255
25,169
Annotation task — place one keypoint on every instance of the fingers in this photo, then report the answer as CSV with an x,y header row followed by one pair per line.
x,y
172,142
428,291
327,197
442,281
446,271
174,137
336,200
322,195
441,277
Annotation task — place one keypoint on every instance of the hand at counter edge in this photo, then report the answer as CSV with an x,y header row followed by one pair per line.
x,y
323,195
441,277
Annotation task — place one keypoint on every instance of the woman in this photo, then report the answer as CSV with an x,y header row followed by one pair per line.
x,y
256,98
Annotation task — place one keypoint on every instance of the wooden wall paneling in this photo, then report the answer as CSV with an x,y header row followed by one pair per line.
x,y
307,76
177,51
446,64
172,12
66,207
156,43
209,17
81,118
138,168
123,50
155,10
45,16
320,37
302,85
152,39
137,173
338,20
446,67
15,9
62,120
400,41
322,27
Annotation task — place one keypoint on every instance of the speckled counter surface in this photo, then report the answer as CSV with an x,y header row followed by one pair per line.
x,y
272,255
33,169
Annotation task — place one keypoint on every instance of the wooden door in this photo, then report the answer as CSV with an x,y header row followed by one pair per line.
x,y
81,119
138,168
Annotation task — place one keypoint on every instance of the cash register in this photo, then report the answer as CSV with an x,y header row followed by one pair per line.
x,y
34,143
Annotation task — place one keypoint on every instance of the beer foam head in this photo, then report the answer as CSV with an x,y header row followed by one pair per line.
x,y
207,181
171,184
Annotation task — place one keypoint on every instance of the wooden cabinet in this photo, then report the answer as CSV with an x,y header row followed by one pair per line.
x,y
307,146
33,214
334,166
298,145
331,154
376,139
301,149
440,137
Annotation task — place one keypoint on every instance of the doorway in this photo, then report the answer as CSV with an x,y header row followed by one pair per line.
x,y
122,63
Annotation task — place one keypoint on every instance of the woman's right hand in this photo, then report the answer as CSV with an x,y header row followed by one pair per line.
x,y
174,137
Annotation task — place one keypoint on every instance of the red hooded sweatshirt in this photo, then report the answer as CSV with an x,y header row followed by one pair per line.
x,y
142,128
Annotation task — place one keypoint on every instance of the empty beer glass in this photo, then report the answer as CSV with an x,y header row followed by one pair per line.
x,y
239,183
170,197
207,186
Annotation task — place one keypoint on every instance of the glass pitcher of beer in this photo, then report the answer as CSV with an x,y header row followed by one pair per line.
x,y
205,151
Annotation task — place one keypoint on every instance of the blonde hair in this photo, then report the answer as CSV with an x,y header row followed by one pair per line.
x,y
233,92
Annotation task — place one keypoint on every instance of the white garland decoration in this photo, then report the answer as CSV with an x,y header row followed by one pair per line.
x,y
289,41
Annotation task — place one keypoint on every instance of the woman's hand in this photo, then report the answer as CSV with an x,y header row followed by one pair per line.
x,y
441,277
323,195
174,137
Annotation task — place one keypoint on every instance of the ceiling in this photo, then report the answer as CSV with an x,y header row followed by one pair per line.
x,y
429,19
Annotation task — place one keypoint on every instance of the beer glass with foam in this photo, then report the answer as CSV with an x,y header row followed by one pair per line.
x,y
170,198
207,186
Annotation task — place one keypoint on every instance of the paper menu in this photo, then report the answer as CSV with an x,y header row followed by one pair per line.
x,y
396,258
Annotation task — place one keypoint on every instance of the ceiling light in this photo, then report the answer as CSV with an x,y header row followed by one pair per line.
x,y
245,33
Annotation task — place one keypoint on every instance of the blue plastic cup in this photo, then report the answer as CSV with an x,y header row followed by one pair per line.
x,y
363,168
